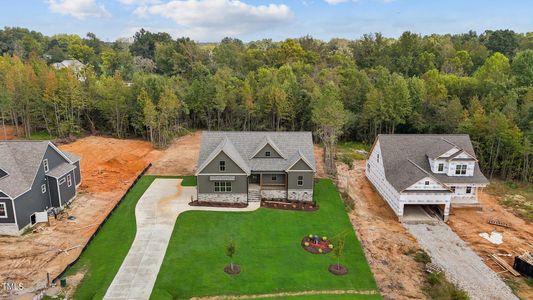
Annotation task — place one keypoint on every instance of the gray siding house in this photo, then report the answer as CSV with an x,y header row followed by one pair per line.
x,y
242,167
35,176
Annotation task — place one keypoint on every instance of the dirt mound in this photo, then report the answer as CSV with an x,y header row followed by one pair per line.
x,y
180,157
8,134
385,241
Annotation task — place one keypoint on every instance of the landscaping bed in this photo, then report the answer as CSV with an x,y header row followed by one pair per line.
x,y
218,204
290,205
316,245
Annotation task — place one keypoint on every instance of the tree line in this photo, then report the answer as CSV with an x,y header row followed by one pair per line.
x,y
153,86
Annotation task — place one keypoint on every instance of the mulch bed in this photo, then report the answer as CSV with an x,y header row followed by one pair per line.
x,y
314,248
236,270
338,270
218,204
290,205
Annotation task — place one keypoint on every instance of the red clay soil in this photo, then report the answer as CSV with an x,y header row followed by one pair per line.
x,y
9,133
385,241
180,157
468,224
319,158
108,167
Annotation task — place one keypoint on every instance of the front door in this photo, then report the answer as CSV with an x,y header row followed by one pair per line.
x,y
255,178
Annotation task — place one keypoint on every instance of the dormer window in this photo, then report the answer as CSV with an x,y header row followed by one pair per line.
x,y
460,170
46,166
427,182
440,167
222,166
378,157
267,153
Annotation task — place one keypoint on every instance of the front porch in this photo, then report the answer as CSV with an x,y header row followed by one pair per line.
x,y
267,186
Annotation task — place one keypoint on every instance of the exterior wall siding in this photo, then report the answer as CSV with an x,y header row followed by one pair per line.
x,y
67,193
10,213
54,192
469,167
375,173
267,178
293,180
213,166
301,165
223,197
77,172
239,185
262,152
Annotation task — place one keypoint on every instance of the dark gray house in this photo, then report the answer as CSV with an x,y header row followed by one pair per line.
x,y
35,176
241,167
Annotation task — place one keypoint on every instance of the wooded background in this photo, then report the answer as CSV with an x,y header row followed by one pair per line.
x,y
152,86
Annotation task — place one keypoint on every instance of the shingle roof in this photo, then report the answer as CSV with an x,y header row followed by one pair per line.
x,y
405,158
246,144
21,160
61,170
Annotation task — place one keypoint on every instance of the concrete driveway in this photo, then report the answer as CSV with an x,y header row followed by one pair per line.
x,y
156,213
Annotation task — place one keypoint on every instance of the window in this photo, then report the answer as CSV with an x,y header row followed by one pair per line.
x,y
61,181
460,170
441,167
453,189
469,190
222,186
300,181
222,166
3,210
43,188
69,180
267,154
274,178
46,166
427,182
378,157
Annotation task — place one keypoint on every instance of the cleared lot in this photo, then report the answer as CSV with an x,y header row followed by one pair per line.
x,y
108,167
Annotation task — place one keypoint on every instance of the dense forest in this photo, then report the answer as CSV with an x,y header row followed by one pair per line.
x,y
153,86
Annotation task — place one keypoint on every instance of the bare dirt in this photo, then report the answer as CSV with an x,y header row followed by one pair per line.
x,y
385,241
9,133
108,168
319,158
180,157
468,224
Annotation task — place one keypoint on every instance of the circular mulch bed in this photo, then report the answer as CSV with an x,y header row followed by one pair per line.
x,y
314,248
338,270
236,270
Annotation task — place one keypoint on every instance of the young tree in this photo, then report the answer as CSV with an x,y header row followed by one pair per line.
x,y
339,243
149,112
329,116
230,252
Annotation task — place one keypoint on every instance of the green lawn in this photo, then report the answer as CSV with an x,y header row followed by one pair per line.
x,y
105,253
268,251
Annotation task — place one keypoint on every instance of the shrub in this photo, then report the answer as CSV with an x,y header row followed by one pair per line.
x,y
422,257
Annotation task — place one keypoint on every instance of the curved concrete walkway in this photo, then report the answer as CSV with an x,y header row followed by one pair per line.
x,y
156,213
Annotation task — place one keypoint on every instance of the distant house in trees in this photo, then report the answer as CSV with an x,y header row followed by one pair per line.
x,y
35,177
242,167
73,64
434,171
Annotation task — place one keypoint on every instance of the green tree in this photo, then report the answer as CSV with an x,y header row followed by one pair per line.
x,y
523,67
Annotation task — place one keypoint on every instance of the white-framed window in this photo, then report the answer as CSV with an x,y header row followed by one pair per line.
x,y
300,181
274,177
43,188
222,166
3,210
46,166
453,189
267,154
61,181
441,167
427,182
378,157
460,170
69,180
469,190
223,186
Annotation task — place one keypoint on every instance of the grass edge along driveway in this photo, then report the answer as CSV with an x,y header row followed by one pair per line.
x,y
106,252
268,251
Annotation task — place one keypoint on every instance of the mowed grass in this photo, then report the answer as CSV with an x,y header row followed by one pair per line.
x,y
104,255
268,252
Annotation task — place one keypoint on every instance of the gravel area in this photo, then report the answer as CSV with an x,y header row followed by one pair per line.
x,y
461,265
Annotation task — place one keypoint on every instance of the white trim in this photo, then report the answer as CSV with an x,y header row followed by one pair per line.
x,y
5,211
268,141
298,180
43,188
46,166
60,181
216,152
69,180
59,193
305,161
8,197
60,152
14,212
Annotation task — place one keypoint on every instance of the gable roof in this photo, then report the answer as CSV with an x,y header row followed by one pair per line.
x,y
227,147
21,160
405,158
246,144
268,141
296,158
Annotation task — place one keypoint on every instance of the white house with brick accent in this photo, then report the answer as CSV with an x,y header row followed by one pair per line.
x,y
433,170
